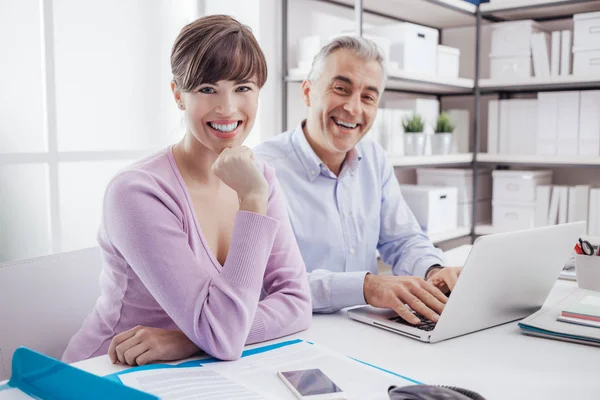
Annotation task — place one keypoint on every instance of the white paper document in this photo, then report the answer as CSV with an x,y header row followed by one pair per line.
x,y
255,377
13,394
188,383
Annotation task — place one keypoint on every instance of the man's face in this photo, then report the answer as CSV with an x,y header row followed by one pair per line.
x,y
342,102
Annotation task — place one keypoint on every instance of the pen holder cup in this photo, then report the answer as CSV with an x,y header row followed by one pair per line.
x,y
588,272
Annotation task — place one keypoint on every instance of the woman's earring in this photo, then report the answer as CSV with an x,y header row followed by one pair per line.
x,y
181,106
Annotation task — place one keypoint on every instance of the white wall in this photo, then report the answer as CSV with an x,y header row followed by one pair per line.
x,y
111,99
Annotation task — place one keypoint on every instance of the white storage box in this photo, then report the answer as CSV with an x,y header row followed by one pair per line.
x,y
586,62
587,30
513,37
413,47
513,216
434,207
519,186
484,212
448,60
307,48
459,178
510,67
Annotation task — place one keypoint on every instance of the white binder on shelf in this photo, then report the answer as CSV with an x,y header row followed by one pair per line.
x,y
568,123
554,206
542,204
594,213
572,204
563,206
462,132
522,128
539,50
493,126
504,131
555,54
565,53
547,123
582,202
589,123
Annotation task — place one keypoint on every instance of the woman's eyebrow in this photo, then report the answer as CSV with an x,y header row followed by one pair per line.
x,y
245,81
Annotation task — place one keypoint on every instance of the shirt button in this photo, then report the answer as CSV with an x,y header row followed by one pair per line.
x,y
352,250
314,172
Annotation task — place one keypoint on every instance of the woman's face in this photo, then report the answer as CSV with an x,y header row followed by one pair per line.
x,y
220,115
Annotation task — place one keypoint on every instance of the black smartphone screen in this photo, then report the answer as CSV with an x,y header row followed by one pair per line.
x,y
310,382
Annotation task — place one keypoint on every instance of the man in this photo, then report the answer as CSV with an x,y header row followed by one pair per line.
x,y
343,197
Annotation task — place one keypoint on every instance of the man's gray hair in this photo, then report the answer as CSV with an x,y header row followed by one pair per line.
x,y
364,49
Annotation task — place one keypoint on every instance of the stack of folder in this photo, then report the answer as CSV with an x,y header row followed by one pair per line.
x,y
545,323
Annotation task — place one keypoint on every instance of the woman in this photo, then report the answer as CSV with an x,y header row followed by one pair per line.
x,y
198,247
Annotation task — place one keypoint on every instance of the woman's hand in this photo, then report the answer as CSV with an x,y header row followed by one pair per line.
x,y
236,168
142,345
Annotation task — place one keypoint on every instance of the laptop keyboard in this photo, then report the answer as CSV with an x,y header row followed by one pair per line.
x,y
425,324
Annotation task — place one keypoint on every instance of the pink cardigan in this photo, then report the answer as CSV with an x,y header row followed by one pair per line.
x,y
159,272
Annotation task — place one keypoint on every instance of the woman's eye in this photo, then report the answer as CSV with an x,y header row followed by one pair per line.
x,y
206,90
244,89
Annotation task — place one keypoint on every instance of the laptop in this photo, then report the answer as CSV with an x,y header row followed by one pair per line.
x,y
506,277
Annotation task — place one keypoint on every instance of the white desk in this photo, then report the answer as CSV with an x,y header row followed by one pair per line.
x,y
500,363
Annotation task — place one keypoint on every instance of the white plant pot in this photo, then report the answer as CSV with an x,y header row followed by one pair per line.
x,y
441,143
414,144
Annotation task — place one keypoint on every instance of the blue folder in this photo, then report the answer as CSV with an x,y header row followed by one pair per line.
x,y
43,377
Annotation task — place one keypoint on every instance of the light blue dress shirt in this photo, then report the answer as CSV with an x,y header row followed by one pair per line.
x,y
340,221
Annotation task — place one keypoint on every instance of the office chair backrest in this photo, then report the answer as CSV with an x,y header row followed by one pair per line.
x,y
43,302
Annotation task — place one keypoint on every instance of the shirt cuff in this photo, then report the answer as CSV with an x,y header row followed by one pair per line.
x,y
424,265
347,289
434,266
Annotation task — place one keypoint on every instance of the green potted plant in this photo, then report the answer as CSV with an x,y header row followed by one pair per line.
x,y
441,142
414,138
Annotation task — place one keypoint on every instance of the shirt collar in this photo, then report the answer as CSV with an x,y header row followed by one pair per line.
x,y
311,163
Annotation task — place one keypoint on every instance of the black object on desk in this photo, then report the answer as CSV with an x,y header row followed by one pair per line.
x,y
428,392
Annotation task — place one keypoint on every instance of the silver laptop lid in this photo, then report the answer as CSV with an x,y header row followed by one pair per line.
x,y
506,277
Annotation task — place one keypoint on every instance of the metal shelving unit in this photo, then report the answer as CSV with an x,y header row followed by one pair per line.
x,y
539,84
558,161
536,9
441,14
539,10
436,14
431,161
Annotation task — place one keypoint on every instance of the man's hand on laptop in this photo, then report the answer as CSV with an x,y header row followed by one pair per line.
x,y
396,292
444,278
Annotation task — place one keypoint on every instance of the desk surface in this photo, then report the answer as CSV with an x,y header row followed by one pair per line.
x,y
499,363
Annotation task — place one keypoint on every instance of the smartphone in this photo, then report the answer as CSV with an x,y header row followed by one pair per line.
x,y
311,384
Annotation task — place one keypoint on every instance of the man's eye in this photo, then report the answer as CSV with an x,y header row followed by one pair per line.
x,y
206,90
340,89
244,89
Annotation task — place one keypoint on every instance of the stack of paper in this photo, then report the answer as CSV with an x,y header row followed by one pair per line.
x,y
544,322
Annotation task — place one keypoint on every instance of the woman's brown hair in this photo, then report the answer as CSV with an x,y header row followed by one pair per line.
x,y
214,48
